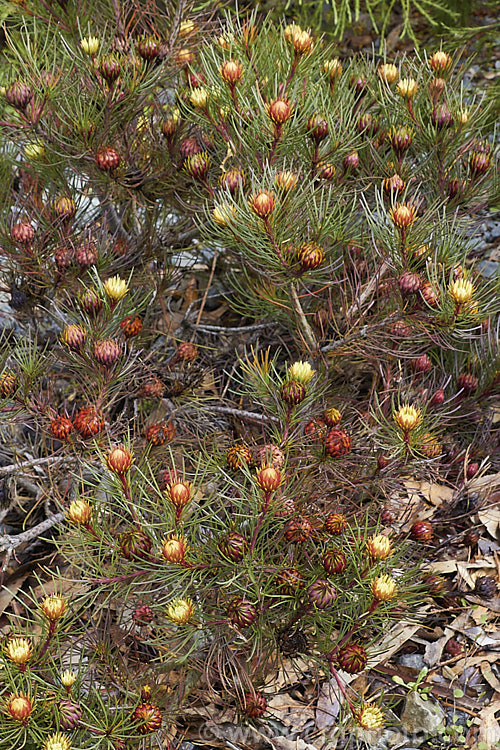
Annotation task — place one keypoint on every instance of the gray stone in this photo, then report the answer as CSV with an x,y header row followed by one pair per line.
x,y
414,661
489,268
421,716
495,229
387,739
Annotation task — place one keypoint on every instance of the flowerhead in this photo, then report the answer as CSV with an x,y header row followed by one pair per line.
x,y
89,45
18,650
199,97
379,547
461,291
407,88
408,417
57,741
388,72
302,372
54,607
180,611
384,588
370,717
116,288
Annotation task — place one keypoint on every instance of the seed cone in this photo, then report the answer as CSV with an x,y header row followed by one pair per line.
x,y
234,546
135,545
242,613
352,658
298,530
238,456
334,561
89,422
61,428
337,443
322,593
70,714
149,716
255,705
335,523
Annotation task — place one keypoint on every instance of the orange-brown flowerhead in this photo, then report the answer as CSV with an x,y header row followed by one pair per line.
x,y
119,460
403,215
149,716
19,707
19,650
89,421
379,547
131,326
54,607
268,478
231,72
262,203
174,549
384,588
440,62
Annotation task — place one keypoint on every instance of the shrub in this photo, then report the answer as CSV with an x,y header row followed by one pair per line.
x,y
332,199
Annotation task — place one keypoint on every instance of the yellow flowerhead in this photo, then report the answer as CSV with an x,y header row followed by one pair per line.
x,y
223,214
180,611
333,68
57,741
34,151
18,650
79,512
89,45
199,97
461,291
388,73
384,588
68,679
302,372
186,28
370,717
53,607
408,417
115,288
379,547
407,88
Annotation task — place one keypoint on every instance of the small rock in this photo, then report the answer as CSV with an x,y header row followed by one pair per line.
x,y
488,268
414,661
495,228
421,716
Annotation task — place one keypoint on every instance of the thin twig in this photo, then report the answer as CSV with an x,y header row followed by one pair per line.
x,y
306,328
210,279
241,413
8,542
33,462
